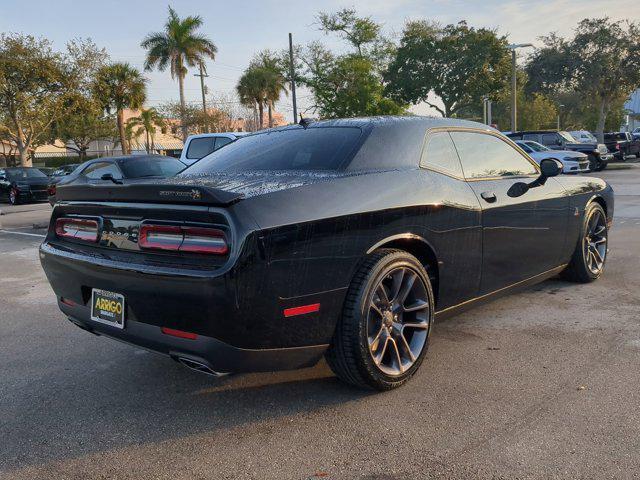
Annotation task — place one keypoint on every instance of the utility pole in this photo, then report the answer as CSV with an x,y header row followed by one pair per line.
x,y
514,85
292,73
559,107
489,117
202,75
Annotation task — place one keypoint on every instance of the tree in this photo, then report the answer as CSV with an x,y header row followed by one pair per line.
x,y
118,86
602,62
179,46
351,84
32,85
460,64
146,124
252,89
358,31
274,78
82,121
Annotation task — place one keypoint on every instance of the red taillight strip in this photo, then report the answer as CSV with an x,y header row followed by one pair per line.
x,y
68,302
183,239
77,228
178,333
160,237
292,312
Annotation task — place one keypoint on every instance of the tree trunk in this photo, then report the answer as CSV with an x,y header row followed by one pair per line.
x,y
261,115
602,118
148,143
123,140
23,148
183,106
82,154
270,107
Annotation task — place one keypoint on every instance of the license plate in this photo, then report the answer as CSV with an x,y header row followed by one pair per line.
x,y
107,307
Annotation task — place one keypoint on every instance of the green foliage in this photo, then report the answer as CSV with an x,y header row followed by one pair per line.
x,y
460,64
349,85
601,62
118,86
33,82
179,46
145,124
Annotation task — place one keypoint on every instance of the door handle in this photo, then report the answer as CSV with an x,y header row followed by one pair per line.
x,y
489,197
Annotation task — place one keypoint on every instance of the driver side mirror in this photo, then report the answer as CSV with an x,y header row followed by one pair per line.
x,y
549,167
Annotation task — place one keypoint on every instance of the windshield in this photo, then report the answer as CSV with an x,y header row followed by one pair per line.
x,y
567,136
297,148
525,147
24,173
151,167
537,147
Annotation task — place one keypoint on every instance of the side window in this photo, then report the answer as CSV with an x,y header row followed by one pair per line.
x,y
531,136
550,139
95,171
486,156
200,147
222,141
440,154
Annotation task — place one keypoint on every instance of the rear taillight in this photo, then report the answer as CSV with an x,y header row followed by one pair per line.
x,y
51,190
77,228
183,239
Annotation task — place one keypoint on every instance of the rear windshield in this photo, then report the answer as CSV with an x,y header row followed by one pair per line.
x,y
24,173
151,167
315,148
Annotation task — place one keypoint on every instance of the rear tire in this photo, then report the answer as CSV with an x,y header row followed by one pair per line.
x,y
14,196
589,257
383,335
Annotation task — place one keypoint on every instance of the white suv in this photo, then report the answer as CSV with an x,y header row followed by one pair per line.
x,y
199,146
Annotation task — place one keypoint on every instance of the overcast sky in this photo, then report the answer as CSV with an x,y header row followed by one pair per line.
x,y
240,28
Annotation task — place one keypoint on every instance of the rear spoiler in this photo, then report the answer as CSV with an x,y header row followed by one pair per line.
x,y
148,193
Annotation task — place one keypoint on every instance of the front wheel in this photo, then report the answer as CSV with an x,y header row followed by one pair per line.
x,y
590,254
383,334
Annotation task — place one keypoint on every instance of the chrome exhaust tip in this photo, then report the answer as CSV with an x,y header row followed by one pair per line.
x,y
199,367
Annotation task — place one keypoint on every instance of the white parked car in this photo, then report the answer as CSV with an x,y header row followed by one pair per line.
x,y
199,146
572,162
584,136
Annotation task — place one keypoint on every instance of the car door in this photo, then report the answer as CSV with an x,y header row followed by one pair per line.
x,y
522,236
454,228
5,184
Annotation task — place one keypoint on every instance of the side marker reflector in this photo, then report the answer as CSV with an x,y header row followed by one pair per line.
x,y
292,312
178,333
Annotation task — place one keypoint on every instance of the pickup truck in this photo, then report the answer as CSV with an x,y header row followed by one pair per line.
x,y
622,144
597,153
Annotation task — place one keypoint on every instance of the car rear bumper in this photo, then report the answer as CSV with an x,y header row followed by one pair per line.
x,y
235,331
215,355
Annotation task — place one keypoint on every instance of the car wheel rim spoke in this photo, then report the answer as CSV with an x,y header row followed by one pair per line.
x,y
595,241
398,321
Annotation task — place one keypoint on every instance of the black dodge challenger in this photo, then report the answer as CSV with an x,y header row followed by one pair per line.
x,y
343,238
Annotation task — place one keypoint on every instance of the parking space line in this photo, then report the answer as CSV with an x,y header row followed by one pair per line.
x,y
23,233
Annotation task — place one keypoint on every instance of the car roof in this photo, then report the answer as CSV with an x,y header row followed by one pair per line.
x,y
219,134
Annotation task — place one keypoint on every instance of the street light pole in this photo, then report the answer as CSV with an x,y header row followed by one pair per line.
x,y
514,86
559,107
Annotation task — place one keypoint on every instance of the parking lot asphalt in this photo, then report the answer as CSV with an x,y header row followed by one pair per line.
x,y
535,385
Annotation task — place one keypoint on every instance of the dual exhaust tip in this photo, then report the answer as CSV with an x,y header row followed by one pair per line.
x,y
199,366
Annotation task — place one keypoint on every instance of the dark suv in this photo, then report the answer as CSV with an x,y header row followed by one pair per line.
x,y
622,144
598,154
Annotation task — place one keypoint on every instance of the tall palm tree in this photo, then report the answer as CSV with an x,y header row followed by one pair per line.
x,y
146,123
179,46
252,89
118,86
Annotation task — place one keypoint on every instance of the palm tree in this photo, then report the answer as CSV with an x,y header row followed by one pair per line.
x,y
275,79
118,86
147,122
178,47
252,89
